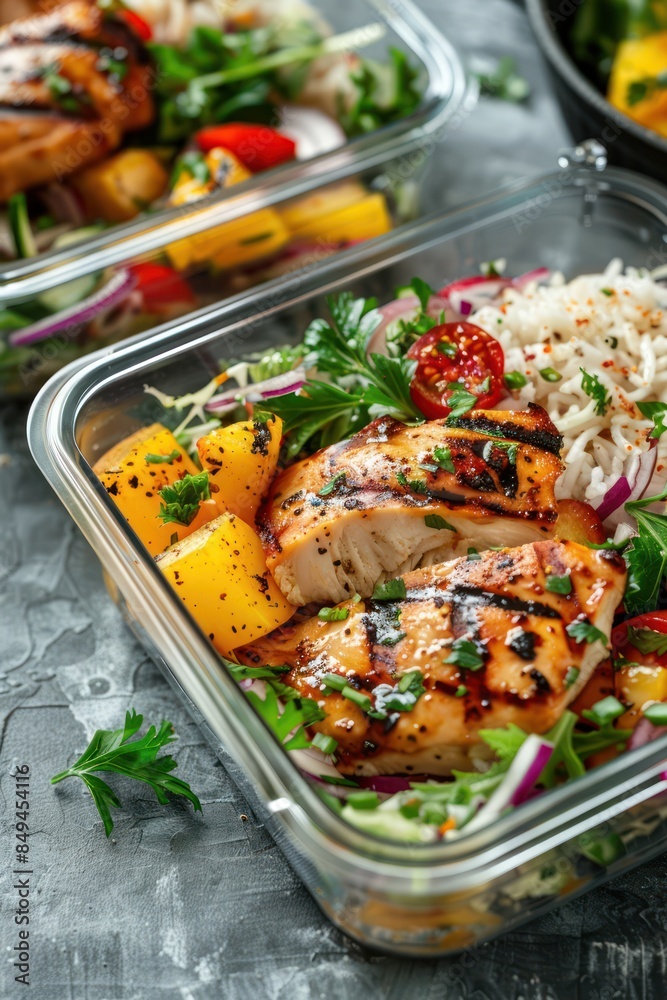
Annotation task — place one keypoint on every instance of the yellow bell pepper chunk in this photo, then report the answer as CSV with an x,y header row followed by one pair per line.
x,y
247,239
338,214
220,574
241,461
636,685
133,482
121,186
635,62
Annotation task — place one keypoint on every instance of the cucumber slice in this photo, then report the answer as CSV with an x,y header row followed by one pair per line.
x,y
19,222
57,299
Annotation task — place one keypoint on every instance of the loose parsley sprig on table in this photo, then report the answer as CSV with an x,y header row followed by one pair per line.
x,y
323,412
115,751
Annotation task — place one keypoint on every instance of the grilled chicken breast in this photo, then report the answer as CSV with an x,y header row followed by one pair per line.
x,y
525,668
63,103
394,497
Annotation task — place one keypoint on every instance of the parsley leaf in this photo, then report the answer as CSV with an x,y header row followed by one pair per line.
x,y
390,590
181,499
114,751
594,388
466,655
559,584
295,713
437,522
586,632
646,557
657,412
460,402
648,641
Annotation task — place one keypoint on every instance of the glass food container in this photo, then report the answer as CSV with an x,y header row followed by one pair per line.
x,y
302,211
425,900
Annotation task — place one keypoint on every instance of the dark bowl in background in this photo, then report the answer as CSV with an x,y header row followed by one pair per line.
x,y
587,112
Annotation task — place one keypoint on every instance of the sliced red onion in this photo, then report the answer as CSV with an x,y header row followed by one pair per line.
x,y
313,131
64,204
386,784
469,294
644,733
314,763
630,486
536,275
279,385
116,289
401,309
519,782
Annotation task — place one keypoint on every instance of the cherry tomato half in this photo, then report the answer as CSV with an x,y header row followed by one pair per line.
x,y
456,353
654,621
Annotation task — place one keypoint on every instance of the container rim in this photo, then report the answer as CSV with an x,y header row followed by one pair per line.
x,y
545,822
446,90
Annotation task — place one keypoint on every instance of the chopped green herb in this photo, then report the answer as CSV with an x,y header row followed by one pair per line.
x,y
447,348
646,557
460,402
357,697
607,291
604,711
333,614
503,82
585,632
571,676
648,641
332,484
443,457
334,681
515,380
327,744
509,447
181,500
461,691
363,799
437,522
657,714
416,485
465,655
331,779
401,698
593,388
428,467
193,163
559,584
473,555
390,590
657,412
423,291
162,459
550,375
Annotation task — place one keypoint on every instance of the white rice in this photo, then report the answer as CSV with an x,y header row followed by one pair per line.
x,y
614,325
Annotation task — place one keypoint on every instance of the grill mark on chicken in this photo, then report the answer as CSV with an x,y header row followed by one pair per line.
x,y
522,641
39,131
543,434
367,501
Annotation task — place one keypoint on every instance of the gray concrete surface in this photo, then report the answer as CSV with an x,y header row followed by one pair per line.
x,y
177,907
